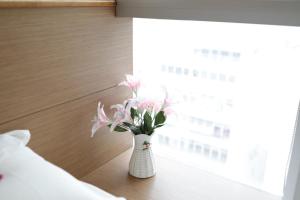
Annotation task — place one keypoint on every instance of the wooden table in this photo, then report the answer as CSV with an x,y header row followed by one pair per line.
x,y
173,181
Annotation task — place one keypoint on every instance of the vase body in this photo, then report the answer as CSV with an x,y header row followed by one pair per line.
x,y
142,163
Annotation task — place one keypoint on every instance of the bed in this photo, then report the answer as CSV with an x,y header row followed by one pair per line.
x,y
25,175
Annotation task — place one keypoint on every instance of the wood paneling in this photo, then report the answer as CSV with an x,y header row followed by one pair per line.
x,y
55,3
62,134
173,180
55,64
51,56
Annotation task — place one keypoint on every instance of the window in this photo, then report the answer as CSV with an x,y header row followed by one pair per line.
x,y
236,92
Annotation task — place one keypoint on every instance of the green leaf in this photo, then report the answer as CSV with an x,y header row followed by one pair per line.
x,y
147,121
127,124
142,130
118,128
150,132
133,113
134,129
160,118
159,125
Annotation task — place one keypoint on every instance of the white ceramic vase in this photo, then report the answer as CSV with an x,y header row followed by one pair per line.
x,y
142,163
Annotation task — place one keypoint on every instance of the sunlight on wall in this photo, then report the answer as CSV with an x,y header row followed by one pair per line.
x,y
236,92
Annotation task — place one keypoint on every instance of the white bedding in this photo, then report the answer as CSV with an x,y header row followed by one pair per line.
x,y
27,176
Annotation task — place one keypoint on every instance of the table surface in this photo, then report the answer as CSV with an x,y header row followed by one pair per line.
x,y
173,181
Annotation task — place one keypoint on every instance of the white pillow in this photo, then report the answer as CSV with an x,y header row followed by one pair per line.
x,y
12,141
27,176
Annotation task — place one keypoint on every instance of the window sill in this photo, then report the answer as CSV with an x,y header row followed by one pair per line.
x,y
174,181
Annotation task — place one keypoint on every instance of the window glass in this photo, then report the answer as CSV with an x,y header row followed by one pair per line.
x,y
235,90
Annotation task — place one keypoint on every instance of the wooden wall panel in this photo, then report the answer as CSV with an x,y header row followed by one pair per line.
x,y
51,56
62,134
55,64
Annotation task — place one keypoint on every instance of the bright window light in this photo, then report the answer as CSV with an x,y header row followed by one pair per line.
x,y
236,91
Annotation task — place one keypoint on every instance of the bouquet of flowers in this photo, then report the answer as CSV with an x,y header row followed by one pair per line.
x,y
137,115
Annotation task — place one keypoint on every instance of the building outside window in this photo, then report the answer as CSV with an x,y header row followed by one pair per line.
x,y
235,89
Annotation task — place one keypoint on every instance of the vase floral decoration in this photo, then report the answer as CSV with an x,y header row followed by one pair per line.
x,y
140,116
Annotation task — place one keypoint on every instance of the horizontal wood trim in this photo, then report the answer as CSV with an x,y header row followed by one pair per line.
x,y
52,56
62,134
55,3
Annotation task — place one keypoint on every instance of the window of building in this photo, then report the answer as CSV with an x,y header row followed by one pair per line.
x,y
235,89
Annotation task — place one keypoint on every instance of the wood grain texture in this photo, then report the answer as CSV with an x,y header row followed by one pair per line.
x,y
55,3
51,56
173,180
55,64
62,134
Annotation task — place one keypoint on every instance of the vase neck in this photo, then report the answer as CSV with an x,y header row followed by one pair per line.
x,y
139,141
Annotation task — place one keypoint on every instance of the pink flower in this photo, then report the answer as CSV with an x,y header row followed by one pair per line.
x,y
168,111
150,105
167,102
100,120
167,105
121,115
131,103
132,82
